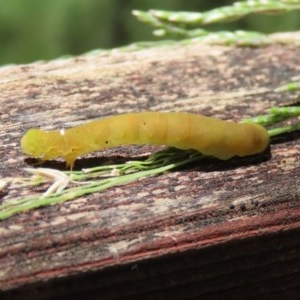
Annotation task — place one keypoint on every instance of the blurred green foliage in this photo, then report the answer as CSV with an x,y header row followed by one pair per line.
x,y
44,29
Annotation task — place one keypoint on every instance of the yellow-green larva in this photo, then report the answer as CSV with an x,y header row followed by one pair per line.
x,y
210,136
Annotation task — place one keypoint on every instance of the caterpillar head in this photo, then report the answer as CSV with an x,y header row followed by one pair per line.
x,y
41,144
33,143
51,144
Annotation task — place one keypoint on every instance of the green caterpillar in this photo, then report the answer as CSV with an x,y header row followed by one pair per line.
x,y
210,136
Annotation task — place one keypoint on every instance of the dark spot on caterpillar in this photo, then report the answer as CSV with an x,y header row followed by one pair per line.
x,y
106,142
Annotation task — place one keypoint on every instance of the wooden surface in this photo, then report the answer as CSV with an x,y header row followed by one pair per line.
x,y
212,230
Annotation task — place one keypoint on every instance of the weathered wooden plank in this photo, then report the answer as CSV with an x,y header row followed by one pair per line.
x,y
213,228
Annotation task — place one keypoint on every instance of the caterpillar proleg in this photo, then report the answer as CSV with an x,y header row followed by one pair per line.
x,y
210,136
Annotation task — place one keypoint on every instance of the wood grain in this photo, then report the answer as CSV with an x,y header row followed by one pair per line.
x,y
213,229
